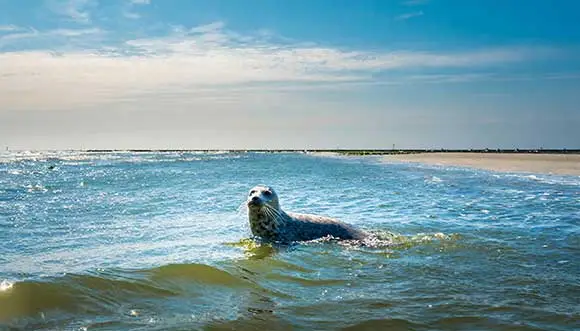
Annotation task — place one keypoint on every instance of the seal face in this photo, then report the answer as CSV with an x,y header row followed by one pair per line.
x,y
263,212
269,222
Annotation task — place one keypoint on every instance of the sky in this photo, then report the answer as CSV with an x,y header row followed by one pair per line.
x,y
296,74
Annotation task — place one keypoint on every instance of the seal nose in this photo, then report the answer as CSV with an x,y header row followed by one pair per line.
x,y
255,198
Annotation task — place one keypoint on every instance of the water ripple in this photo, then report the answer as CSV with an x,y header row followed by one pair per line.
x,y
160,240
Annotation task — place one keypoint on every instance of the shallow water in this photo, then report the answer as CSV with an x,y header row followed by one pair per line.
x,y
118,241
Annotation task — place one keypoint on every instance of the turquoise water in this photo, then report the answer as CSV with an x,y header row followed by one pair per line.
x,y
119,241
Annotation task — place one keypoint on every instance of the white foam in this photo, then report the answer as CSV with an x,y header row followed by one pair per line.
x,y
434,179
5,285
548,179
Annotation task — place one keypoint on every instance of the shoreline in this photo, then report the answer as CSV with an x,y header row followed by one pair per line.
x,y
348,152
545,163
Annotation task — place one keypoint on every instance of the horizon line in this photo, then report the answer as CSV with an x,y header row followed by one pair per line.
x,y
315,150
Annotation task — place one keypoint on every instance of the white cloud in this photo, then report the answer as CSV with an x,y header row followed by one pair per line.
x,y
202,62
409,15
140,2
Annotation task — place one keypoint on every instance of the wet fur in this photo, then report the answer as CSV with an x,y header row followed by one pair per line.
x,y
269,222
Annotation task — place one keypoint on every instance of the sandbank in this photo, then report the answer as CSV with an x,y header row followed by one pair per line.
x,y
560,164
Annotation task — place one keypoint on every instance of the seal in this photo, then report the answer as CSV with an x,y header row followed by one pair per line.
x,y
269,222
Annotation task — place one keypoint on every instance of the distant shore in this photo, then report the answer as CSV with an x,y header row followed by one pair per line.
x,y
547,163
313,151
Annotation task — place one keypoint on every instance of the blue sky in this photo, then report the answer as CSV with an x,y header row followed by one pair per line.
x,y
289,74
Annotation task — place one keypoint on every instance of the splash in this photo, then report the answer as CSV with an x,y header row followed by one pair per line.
x,y
376,240
433,179
5,286
36,188
396,241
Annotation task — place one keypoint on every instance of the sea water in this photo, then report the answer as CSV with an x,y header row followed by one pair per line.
x,y
119,241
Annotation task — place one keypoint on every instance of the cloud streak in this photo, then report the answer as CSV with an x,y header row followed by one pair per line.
x,y
9,28
59,40
407,16
415,2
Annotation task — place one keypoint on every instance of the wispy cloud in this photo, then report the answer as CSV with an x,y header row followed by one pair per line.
x,y
9,28
74,32
131,15
75,10
468,77
129,11
563,76
56,39
415,2
16,35
407,16
214,27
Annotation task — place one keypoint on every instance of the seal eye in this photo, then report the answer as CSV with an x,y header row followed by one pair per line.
x,y
267,193
252,192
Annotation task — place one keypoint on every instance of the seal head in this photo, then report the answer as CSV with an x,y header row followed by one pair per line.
x,y
264,212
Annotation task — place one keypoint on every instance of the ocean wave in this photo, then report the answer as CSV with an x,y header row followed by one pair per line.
x,y
104,292
199,273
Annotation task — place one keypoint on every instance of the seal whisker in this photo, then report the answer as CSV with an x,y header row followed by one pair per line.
x,y
270,211
278,218
275,211
272,215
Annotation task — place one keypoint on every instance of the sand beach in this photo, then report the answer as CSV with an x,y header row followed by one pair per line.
x,y
560,164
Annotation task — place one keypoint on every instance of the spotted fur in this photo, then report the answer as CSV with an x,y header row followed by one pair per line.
x,y
269,222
